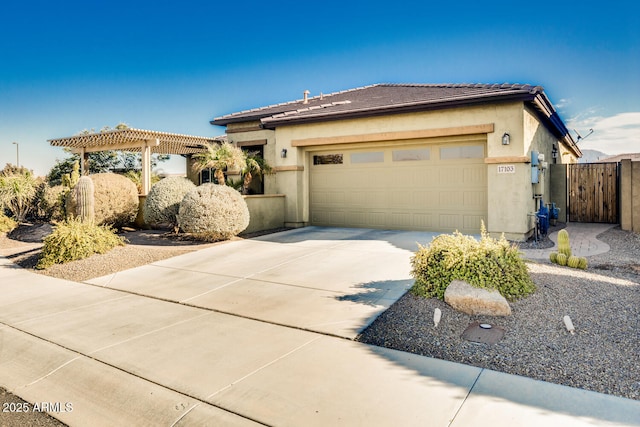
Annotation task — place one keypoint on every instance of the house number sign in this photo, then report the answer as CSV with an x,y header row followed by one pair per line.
x,y
506,168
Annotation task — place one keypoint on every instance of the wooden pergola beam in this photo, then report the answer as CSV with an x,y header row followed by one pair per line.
x,y
145,142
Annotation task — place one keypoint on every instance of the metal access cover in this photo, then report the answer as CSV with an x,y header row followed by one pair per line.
x,y
483,334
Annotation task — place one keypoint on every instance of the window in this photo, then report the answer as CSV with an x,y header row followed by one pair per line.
x,y
462,152
411,155
370,157
327,159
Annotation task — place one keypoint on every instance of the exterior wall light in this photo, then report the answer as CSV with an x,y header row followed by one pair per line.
x,y
283,153
506,139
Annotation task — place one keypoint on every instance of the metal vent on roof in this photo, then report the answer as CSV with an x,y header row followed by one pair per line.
x,y
483,333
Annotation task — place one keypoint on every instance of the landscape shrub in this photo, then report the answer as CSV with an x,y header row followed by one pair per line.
x,y
213,212
50,202
163,201
6,224
73,240
17,192
115,197
485,263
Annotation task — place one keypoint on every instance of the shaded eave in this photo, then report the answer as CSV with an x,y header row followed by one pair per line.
x,y
135,140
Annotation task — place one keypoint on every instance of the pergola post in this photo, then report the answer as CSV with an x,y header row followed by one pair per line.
x,y
84,162
146,165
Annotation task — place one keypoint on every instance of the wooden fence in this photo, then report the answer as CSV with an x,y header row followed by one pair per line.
x,y
593,192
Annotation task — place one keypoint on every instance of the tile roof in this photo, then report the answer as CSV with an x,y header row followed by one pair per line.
x,y
380,99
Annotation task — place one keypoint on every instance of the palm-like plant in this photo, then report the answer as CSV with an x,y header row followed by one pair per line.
x,y
256,165
220,157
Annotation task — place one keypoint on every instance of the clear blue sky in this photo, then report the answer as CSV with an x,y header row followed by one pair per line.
x,y
172,66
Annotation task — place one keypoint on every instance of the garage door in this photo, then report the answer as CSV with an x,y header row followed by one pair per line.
x,y
438,187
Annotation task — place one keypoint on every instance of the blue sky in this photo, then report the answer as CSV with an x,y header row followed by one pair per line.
x,y
172,66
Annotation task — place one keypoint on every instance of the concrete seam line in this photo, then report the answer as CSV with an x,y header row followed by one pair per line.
x,y
277,359
102,362
186,413
149,333
465,398
249,276
73,309
52,372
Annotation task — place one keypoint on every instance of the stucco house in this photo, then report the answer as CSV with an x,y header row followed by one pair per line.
x,y
410,156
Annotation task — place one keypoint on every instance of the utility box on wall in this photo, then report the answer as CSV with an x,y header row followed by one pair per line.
x,y
535,172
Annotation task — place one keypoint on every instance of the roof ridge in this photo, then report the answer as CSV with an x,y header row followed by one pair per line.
x,y
468,85
296,101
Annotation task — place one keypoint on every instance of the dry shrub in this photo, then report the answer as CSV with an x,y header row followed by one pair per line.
x,y
163,201
213,212
116,199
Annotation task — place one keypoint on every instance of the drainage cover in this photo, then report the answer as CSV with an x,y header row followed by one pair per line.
x,y
483,333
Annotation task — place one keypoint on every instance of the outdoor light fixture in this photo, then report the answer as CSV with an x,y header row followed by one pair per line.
x,y
506,139
554,152
283,153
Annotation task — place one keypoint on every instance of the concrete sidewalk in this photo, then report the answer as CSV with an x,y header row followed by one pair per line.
x,y
199,344
582,237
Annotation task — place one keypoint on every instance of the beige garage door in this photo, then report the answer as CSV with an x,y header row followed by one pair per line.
x,y
438,187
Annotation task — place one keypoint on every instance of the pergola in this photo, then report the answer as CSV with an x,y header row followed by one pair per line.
x,y
146,142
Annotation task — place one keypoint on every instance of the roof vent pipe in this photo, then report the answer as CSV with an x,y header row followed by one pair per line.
x,y
306,96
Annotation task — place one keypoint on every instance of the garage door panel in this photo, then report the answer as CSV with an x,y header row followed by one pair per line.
x,y
424,221
451,199
475,200
472,223
431,194
450,221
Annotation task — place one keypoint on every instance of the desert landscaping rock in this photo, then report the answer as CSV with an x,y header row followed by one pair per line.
x,y
476,301
603,303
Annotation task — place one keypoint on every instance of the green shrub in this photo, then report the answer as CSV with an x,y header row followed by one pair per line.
x,y
6,224
213,212
115,197
487,263
73,239
163,201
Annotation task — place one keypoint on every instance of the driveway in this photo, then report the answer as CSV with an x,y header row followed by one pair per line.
x,y
229,336
330,280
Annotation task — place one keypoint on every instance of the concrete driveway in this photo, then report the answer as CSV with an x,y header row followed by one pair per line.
x,y
330,280
226,336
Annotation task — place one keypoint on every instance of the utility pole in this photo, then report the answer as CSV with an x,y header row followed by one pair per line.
x,y
17,153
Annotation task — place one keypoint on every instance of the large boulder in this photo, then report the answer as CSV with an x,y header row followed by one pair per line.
x,y
476,301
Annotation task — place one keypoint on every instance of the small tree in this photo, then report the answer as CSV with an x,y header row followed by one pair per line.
x,y
223,157
256,166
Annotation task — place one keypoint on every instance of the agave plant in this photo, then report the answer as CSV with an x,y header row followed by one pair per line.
x,y
221,158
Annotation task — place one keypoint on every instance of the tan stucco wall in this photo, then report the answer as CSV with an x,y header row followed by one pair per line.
x,y
510,196
630,195
266,212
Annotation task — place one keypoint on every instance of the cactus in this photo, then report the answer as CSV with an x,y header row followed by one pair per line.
x,y
85,209
582,263
553,257
75,174
573,261
563,243
562,259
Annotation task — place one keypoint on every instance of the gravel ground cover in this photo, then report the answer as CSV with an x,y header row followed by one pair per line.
x,y
603,303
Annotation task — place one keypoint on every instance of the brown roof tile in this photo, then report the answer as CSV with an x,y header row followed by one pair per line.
x,y
380,98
